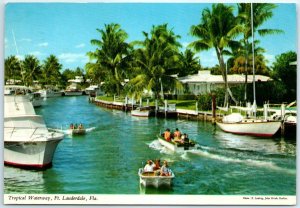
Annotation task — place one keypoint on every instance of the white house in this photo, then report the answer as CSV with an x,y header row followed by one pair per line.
x,y
204,82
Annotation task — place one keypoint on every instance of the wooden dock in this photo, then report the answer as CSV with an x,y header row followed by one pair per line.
x,y
161,111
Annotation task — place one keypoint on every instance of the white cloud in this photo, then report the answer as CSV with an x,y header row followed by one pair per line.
x,y
73,57
45,44
82,45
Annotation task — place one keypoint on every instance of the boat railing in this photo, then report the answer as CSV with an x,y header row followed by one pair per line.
x,y
33,135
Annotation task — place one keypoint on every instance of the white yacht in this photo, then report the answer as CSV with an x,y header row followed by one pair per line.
x,y
27,141
20,90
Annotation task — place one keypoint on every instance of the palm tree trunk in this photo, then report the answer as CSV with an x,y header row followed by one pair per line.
x,y
224,75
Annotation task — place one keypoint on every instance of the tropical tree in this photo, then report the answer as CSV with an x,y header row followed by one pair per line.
x,y
51,71
155,62
12,68
261,13
286,72
217,29
110,60
243,64
31,69
189,63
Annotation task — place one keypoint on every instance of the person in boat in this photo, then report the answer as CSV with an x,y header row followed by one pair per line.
x,y
149,167
167,135
71,126
177,136
75,126
80,126
164,171
157,164
185,138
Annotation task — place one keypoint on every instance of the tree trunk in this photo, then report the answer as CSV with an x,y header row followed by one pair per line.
x,y
224,75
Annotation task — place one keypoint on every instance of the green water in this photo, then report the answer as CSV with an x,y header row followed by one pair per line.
x,y
107,158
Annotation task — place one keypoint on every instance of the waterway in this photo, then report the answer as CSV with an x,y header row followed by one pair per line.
x,y
107,158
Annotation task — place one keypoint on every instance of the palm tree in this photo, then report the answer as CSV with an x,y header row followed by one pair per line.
x,y
190,63
12,68
111,57
51,71
261,13
217,29
155,63
31,69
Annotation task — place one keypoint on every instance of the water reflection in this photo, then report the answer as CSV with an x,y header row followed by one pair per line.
x,y
16,179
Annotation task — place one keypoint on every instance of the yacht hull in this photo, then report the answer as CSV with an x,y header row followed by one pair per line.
x,y
254,128
30,154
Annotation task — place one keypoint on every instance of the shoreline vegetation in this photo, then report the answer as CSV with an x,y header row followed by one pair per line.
x,y
154,64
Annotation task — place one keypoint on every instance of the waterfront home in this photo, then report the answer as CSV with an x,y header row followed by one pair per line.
x,y
205,82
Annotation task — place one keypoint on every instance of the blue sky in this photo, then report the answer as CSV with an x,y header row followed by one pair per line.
x,y
65,29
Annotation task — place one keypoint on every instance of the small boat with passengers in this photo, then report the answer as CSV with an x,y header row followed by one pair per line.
x,y
156,177
177,144
74,130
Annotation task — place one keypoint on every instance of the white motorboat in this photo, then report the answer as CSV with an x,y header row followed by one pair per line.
x,y
73,90
176,146
152,179
141,112
27,141
93,91
19,90
36,99
48,93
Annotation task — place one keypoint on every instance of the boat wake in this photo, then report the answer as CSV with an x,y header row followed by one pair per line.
x,y
69,131
157,146
251,162
90,129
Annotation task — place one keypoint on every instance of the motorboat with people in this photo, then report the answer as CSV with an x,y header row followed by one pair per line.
x,y
28,143
156,177
141,112
176,143
77,130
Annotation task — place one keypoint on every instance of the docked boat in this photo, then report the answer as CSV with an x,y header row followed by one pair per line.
x,y
177,146
49,93
237,124
93,91
36,99
254,127
152,179
73,91
27,141
19,90
141,112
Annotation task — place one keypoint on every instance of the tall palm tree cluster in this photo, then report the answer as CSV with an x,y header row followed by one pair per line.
x,y
151,64
30,69
154,63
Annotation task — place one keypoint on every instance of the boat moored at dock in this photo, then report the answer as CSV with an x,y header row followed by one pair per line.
x,y
27,141
141,112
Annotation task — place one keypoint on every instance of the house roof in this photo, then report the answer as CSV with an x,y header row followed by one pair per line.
x,y
205,77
